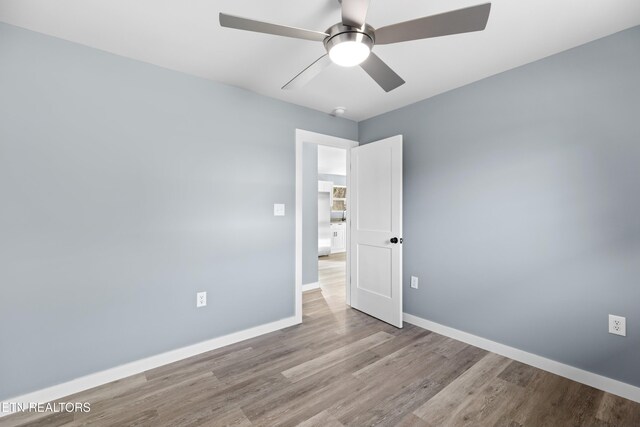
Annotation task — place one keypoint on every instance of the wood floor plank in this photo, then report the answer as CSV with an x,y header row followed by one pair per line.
x,y
553,400
203,413
518,373
487,406
181,368
439,409
399,341
243,370
410,420
146,399
617,411
372,400
320,363
404,358
322,419
93,395
437,379
306,397
317,385
299,409
37,420
410,377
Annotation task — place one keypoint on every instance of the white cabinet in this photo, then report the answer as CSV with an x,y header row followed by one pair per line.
x,y
338,237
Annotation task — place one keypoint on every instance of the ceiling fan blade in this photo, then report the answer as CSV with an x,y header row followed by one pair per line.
x,y
381,73
354,12
231,21
308,73
465,20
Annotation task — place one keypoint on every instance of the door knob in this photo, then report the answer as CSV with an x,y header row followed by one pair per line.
x,y
395,240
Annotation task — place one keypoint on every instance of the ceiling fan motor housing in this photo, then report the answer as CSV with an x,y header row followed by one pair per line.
x,y
340,33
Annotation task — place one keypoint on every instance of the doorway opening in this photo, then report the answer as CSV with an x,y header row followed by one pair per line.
x,y
373,242
322,219
332,224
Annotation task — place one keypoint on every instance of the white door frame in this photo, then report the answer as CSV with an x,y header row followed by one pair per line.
x,y
331,141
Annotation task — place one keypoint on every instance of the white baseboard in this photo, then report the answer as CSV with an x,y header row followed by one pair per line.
x,y
310,286
585,377
93,380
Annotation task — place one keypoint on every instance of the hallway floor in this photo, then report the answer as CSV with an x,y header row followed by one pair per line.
x,y
331,275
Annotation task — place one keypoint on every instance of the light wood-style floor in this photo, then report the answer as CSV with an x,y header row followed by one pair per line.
x,y
344,368
331,276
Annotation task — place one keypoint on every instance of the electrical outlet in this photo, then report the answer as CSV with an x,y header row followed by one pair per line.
x,y
201,299
617,325
414,282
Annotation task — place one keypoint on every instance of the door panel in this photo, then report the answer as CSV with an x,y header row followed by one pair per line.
x,y
374,268
375,201
376,262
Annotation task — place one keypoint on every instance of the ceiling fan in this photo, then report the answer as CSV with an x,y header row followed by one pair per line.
x,y
349,43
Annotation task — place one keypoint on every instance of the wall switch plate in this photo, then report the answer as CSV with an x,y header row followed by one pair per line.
x,y
278,209
617,325
201,299
414,282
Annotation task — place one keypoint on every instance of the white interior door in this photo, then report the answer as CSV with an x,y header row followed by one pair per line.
x,y
376,229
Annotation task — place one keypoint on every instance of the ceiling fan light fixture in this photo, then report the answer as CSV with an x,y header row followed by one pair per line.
x,y
348,46
349,53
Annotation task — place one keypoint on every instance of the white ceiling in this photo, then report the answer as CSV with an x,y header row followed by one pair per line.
x,y
331,160
185,36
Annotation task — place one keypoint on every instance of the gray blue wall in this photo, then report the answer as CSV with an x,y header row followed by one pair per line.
x,y
124,189
309,213
522,205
